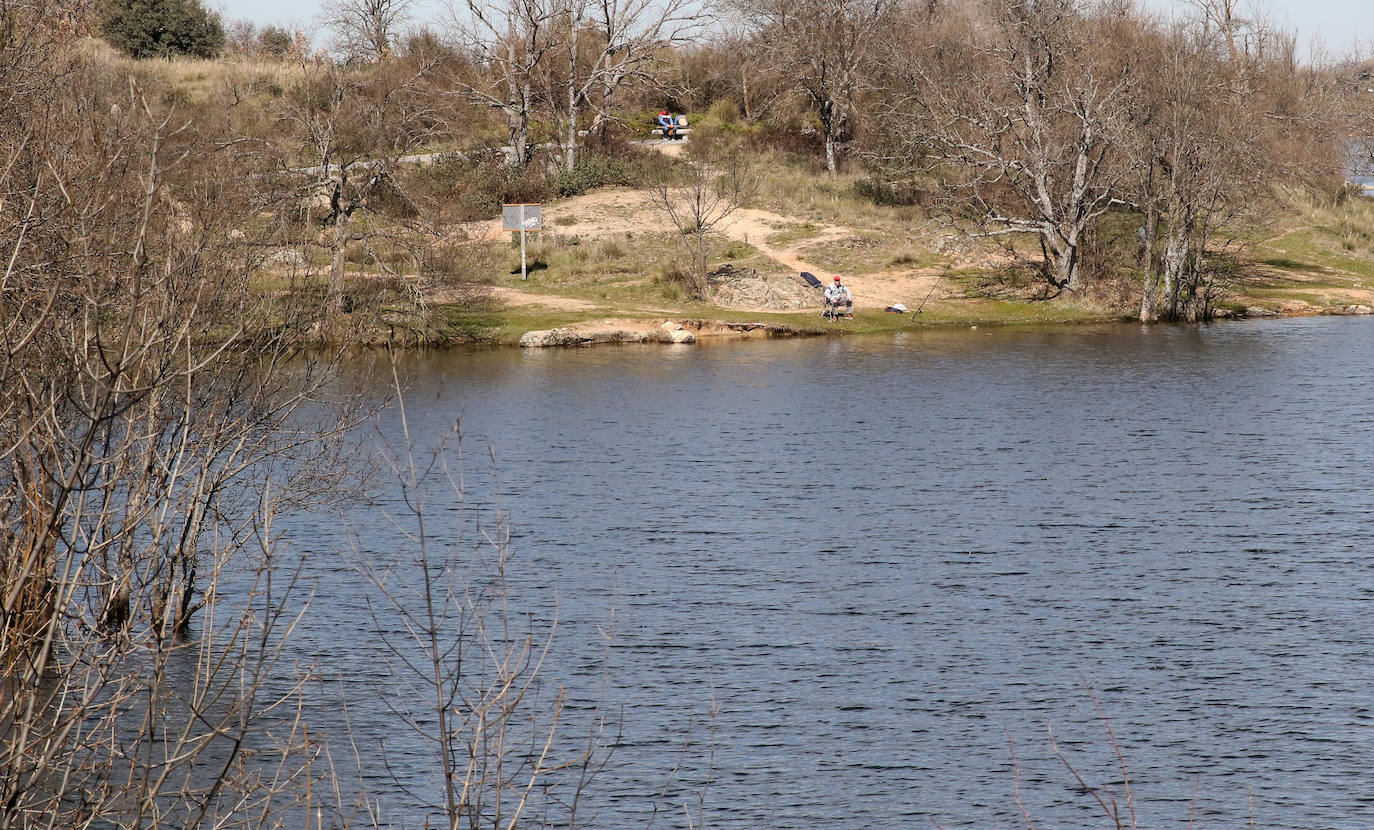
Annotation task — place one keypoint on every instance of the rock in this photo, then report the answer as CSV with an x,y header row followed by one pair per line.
x,y
321,201
286,256
551,337
570,337
1260,311
671,332
733,287
1358,309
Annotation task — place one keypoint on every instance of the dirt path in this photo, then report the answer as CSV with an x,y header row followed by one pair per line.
x,y
753,227
613,212
871,291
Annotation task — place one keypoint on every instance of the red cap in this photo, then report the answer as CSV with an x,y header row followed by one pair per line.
x,y
837,279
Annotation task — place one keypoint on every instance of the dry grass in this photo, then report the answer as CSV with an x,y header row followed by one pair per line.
x,y
196,80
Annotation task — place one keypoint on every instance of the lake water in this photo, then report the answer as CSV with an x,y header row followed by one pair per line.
x,y
878,559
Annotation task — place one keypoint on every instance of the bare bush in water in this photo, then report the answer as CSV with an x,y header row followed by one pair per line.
x,y
152,402
466,670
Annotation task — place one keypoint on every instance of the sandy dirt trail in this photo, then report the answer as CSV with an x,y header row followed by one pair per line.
x,y
614,212
871,290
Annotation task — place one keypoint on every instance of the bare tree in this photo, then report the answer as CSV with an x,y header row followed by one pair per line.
x,y
611,45
366,28
355,125
150,405
1033,147
511,42
696,199
1212,151
827,46
467,676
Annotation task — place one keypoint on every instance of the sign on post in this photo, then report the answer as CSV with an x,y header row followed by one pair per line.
x,y
522,218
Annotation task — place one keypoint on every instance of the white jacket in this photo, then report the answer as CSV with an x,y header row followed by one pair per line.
x,y
837,291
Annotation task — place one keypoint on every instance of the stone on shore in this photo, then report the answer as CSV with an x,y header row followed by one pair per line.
x,y
675,333
590,335
746,288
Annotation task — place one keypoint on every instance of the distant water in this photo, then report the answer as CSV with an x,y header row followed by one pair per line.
x,y
880,558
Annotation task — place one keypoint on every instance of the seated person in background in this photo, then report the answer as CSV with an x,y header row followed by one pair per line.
x,y
836,295
667,124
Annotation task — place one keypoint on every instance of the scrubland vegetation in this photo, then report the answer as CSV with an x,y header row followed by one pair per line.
x,y
185,237
1085,155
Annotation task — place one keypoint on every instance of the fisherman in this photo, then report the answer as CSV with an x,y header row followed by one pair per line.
x,y
836,295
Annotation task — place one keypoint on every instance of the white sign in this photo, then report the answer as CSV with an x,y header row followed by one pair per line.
x,y
521,218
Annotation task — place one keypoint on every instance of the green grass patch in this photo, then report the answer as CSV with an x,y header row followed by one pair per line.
x,y
793,233
868,253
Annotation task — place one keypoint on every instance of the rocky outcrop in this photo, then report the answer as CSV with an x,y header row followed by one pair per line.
x,y
592,334
571,337
685,332
733,287
672,332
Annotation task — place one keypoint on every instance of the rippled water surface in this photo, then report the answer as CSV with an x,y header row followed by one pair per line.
x,y
878,560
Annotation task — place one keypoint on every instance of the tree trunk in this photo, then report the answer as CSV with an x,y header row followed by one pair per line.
x,y
744,86
1063,255
1147,266
338,266
517,107
1066,270
827,113
522,131
570,151
703,283
1175,260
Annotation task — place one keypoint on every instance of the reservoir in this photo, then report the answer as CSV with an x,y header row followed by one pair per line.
x,y
854,582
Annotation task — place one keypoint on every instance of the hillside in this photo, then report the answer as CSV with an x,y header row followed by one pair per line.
x,y
606,261
425,259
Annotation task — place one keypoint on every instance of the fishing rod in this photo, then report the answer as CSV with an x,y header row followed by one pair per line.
x,y
936,285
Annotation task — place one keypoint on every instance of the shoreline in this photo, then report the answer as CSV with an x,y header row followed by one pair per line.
x,y
698,329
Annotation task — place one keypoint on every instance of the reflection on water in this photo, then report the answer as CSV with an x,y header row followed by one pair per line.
x,y
880,558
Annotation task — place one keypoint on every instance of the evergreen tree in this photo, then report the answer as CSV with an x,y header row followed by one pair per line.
x,y
162,28
275,41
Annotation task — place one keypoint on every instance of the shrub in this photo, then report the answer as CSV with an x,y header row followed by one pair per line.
x,y
162,28
592,172
461,189
275,41
724,111
887,194
460,262
679,282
